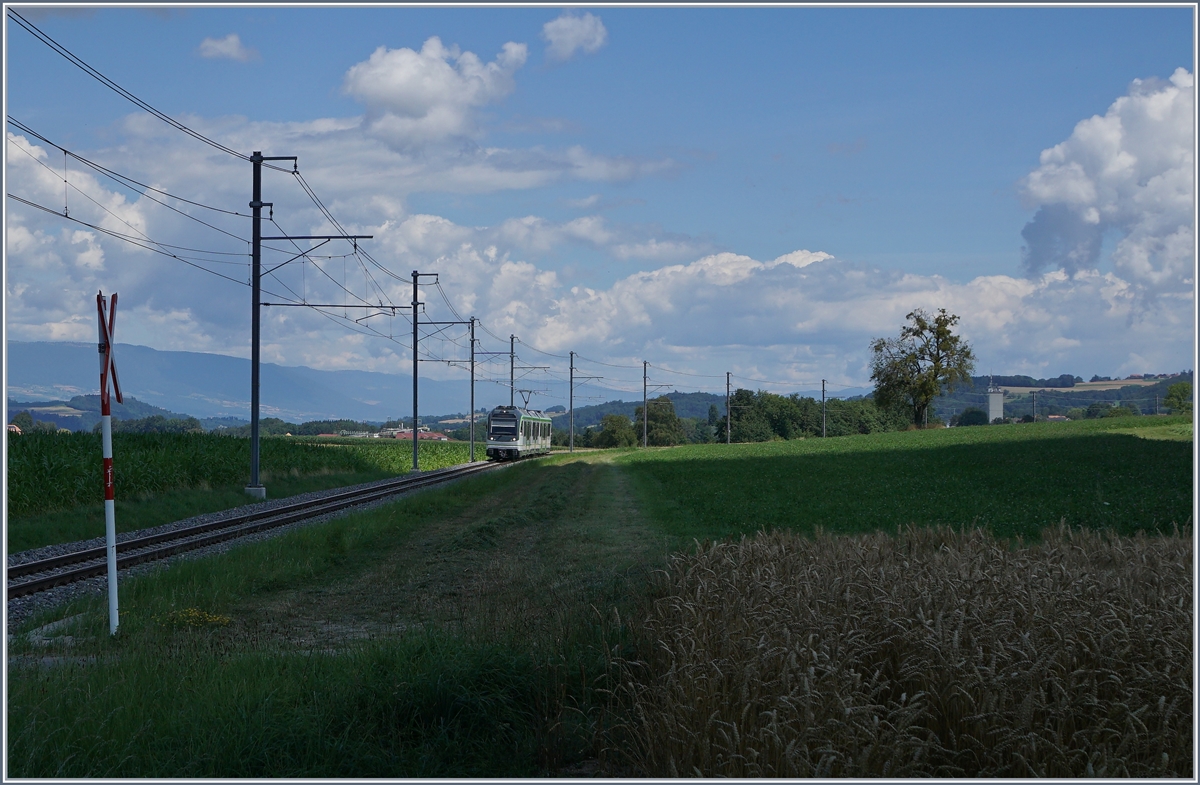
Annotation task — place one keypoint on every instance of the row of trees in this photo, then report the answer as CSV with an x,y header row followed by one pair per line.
x,y
24,421
909,372
274,426
156,423
756,417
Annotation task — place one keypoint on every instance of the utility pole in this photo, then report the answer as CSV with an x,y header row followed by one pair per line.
x,y
571,409
490,354
1035,392
512,369
255,488
415,275
416,303
645,407
822,408
571,417
472,417
728,411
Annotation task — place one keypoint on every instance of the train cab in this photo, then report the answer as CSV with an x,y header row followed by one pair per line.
x,y
514,433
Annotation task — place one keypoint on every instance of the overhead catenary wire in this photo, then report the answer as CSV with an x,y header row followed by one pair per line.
x,y
126,180
320,269
85,195
132,240
150,245
121,91
144,236
134,184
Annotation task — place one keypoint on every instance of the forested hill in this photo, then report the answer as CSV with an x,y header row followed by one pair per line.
x,y
82,412
692,405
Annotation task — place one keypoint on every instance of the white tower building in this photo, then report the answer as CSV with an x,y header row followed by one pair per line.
x,y
995,402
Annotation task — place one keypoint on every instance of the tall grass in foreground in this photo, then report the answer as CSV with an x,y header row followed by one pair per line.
x,y
930,653
422,706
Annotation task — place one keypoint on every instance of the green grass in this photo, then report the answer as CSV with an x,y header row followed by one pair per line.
x,y
201,682
1012,480
422,706
56,489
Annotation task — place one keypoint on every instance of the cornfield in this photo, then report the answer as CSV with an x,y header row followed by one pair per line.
x,y
56,471
930,653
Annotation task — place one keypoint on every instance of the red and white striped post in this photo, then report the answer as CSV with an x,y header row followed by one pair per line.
x,y
108,368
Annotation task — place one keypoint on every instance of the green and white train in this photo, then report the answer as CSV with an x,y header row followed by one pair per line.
x,y
514,433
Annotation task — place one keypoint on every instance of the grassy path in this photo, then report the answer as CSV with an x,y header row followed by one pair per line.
x,y
506,566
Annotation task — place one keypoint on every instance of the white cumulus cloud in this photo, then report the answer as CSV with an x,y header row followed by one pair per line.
x,y
798,316
1129,173
417,97
571,33
228,48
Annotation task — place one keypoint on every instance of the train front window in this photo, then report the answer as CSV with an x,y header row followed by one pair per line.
x,y
503,428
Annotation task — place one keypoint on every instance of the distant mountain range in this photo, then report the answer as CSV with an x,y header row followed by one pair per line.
x,y
210,386
216,385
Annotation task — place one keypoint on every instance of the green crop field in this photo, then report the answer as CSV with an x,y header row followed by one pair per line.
x,y
56,491
1012,480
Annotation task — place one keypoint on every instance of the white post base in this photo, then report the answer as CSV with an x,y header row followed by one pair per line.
x,y
110,531
257,491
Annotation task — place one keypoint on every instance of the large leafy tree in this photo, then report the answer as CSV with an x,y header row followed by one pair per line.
x,y
616,431
1179,397
914,367
663,427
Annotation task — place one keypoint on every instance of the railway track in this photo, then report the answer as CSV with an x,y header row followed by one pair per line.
x,y
37,576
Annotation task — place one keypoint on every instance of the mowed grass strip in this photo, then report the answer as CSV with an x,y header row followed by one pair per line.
x,y
56,487
932,653
1013,480
454,633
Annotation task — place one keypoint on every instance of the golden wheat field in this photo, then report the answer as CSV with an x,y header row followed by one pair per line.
x,y
927,653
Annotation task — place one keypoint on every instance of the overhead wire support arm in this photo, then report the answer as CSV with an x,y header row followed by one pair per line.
x,y
294,258
321,237
337,305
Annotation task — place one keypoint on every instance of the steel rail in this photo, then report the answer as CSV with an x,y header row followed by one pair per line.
x,y
200,535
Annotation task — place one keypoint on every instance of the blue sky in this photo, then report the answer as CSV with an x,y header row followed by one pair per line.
x,y
901,146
